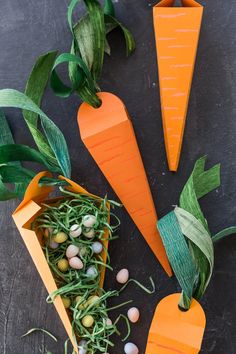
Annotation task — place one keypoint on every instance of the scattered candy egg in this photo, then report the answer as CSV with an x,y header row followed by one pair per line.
x,y
97,247
88,321
63,265
92,271
133,314
82,347
66,302
122,276
60,237
72,251
75,230
76,263
131,348
108,322
89,234
92,299
83,304
89,220
53,245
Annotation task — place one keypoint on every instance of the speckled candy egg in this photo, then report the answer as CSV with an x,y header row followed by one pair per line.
x,y
53,245
92,272
133,314
97,247
72,251
89,233
76,263
122,276
60,237
75,230
83,347
87,321
89,220
131,348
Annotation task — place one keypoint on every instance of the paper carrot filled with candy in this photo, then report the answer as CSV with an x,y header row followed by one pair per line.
x,y
179,322
177,32
67,238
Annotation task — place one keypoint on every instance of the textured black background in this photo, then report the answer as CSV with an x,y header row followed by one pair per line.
x,y
29,28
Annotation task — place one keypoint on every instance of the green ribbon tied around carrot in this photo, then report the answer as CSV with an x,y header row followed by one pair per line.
x,y
186,236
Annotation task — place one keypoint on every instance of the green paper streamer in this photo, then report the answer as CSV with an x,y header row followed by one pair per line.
x,y
14,98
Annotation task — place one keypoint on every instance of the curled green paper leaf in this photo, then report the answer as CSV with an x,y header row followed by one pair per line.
x,y
35,88
187,237
14,98
88,46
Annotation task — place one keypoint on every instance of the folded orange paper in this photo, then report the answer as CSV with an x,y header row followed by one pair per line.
x,y
174,331
23,216
108,134
177,33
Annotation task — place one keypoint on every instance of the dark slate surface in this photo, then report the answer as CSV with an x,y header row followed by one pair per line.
x,y
29,28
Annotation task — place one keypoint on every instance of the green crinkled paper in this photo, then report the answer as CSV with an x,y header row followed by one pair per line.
x,y
186,236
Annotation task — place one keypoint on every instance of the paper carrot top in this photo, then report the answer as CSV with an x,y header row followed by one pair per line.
x,y
186,235
177,32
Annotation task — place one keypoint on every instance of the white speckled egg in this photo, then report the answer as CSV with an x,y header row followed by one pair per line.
x,y
122,276
83,347
72,251
76,263
92,272
131,348
75,230
53,245
89,234
108,322
133,314
89,220
97,247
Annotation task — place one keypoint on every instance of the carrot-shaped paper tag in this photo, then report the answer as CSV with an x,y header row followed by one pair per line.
x,y
108,134
179,321
177,32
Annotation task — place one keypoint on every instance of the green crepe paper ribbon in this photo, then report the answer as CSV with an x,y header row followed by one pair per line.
x,y
89,43
186,236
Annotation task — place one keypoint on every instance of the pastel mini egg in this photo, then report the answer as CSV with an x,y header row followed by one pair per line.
x,y
89,220
75,230
53,245
87,321
66,302
97,247
82,302
122,276
72,251
60,237
76,263
92,272
83,347
108,322
82,251
131,348
133,314
63,265
93,299
89,233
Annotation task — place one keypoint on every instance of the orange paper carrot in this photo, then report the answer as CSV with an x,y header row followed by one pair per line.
x,y
108,134
174,331
177,32
24,215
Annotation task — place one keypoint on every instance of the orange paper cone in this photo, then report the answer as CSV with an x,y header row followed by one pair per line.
x,y
108,134
177,32
175,332
24,215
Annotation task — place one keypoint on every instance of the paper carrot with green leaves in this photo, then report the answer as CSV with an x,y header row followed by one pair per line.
x,y
177,32
190,249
